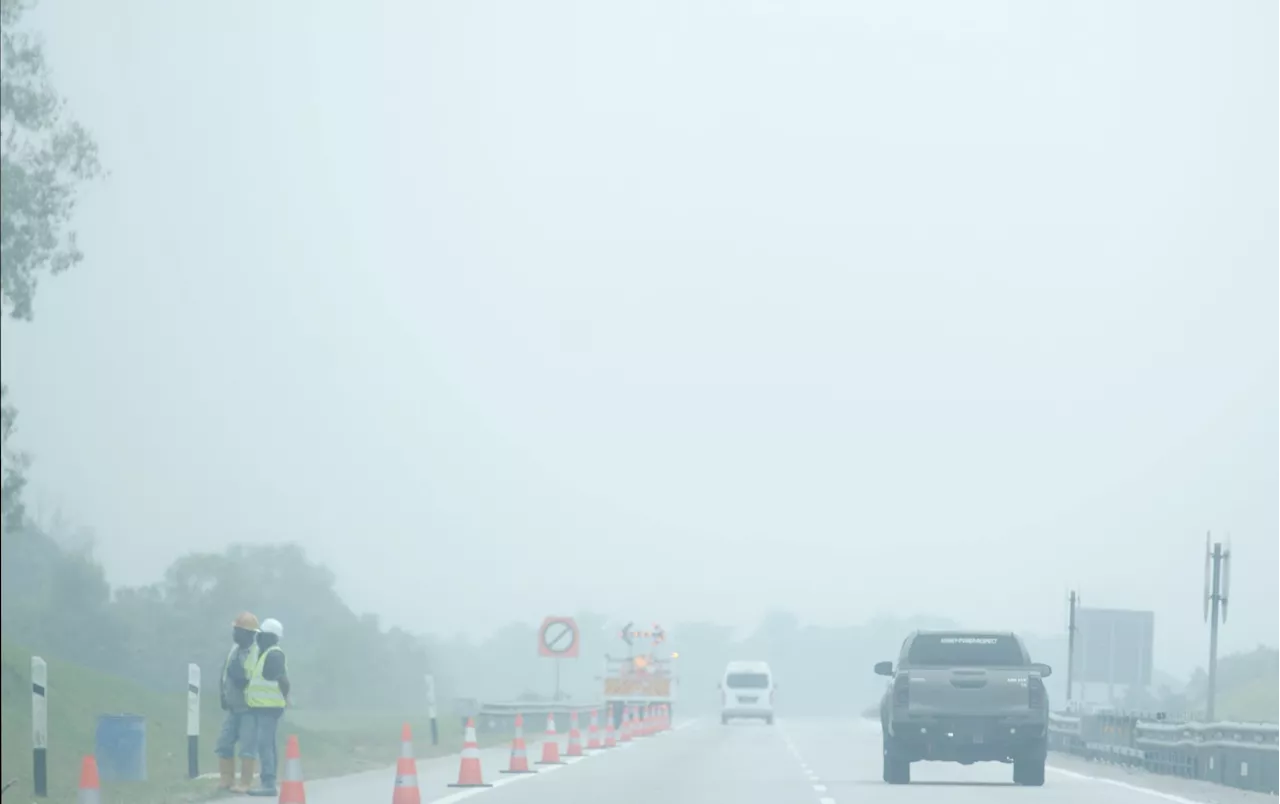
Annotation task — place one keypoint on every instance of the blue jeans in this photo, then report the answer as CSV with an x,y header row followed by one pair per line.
x,y
266,727
237,730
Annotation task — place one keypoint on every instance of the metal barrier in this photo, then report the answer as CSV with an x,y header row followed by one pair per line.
x,y
501,717
1242,755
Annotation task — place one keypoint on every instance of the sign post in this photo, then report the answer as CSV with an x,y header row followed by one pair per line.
x,y
40,725
558,638
193,721
431,708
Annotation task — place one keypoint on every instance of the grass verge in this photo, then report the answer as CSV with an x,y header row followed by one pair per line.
x,y
333,743
1257,701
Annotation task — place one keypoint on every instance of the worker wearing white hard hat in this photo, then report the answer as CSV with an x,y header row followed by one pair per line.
x,y
267,696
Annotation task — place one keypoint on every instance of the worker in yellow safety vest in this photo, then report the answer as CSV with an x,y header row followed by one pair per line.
x,y
267,696
237,727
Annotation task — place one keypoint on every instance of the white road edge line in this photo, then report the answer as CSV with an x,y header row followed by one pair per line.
x,y
819,788
462,795
826,800
1176,799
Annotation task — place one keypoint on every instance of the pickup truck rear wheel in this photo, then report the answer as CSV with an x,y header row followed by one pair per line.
x,y
1029,772
896,769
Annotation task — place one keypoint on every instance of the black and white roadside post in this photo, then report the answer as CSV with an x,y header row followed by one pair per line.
x,y
431,708
193,721
40,725
1217,586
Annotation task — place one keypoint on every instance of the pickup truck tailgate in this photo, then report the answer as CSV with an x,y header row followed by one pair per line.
x,y
969,691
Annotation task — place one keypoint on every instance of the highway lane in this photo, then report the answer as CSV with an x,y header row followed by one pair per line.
x,y
797,761
843,758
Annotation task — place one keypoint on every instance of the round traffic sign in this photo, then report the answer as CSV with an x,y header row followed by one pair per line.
x,y
559,636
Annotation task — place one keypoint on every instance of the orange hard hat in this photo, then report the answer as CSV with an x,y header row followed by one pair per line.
x,y
246,620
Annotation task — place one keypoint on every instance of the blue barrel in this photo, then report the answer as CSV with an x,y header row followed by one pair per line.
x,y
120,746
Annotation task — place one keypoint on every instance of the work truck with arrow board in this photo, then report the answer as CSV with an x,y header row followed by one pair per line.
x,y
645,675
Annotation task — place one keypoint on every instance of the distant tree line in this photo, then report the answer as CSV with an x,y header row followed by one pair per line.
x,y
56,600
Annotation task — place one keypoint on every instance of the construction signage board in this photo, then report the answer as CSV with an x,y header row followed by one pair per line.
x,y
558,638
638,687
1114,646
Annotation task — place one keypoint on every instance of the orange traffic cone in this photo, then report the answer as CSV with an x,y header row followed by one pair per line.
x,y
469,774
624,731
291,788
90,790
593,731
551,744
519,754
610,737
575,737
406,788
646,720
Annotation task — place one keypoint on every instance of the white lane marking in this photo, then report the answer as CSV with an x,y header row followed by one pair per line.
x,y
462,795
804,767
1176,799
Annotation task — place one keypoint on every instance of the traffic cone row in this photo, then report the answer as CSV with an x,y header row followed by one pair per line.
x,y
519,753
575,737
610,736
469,774
406,787
593,732
551,745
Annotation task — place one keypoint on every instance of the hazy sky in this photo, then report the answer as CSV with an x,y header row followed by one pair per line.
x,y
684,310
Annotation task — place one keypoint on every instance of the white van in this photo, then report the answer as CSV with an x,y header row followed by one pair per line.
x,y
746,691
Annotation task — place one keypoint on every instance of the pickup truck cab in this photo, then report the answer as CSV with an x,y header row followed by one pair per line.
x,y
964,696
747,691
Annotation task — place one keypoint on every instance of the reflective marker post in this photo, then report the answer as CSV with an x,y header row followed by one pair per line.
x,y
431,708
193,721
40,725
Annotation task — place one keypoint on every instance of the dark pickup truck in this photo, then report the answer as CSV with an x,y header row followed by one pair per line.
x,y
965,696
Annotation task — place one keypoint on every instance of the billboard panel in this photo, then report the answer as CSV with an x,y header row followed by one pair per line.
x,y
1114,646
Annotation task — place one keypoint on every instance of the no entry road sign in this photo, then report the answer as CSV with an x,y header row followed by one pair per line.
x,y
558,638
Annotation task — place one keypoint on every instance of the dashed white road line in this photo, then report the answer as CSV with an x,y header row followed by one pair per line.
x,y
818,787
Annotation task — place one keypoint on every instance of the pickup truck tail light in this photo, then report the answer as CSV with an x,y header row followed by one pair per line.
x,y
901,691
1035,691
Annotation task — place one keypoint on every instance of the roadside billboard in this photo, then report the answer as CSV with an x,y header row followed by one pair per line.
x,y
1114,646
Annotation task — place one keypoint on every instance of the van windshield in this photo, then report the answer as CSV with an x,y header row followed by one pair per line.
x,y
957,650
747,681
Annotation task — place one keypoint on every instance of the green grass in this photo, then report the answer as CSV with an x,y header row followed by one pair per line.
x,y
332,743
1258,700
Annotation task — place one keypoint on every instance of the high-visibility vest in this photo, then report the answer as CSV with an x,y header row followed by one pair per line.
x,y
250,658
261,693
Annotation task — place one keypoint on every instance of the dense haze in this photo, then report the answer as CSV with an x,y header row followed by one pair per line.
x,y
686,312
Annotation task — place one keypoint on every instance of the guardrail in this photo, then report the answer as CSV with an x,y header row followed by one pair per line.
x,y
1242,755
500,716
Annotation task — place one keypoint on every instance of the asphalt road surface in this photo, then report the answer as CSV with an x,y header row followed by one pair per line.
x,y
796,761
